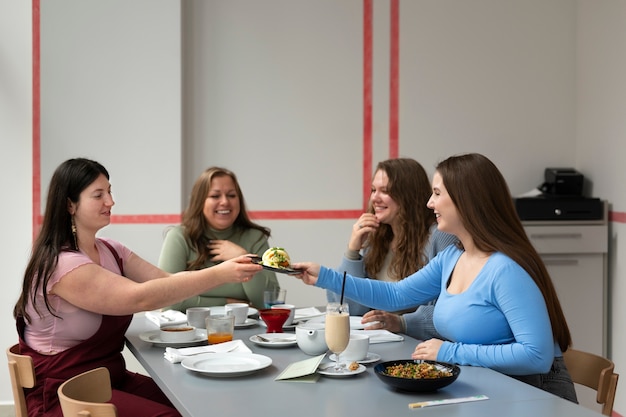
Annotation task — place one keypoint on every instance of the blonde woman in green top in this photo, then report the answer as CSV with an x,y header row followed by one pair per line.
x,y
215,228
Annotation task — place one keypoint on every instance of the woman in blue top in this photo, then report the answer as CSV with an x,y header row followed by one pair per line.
x,y
496,304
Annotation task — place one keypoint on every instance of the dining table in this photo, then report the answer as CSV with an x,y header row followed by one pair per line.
x,y
196,394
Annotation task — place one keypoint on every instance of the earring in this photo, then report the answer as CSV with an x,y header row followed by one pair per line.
x,y
74,233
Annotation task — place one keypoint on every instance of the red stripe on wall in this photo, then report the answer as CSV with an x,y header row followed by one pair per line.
x,y
36,121
394,79
617,217
367,99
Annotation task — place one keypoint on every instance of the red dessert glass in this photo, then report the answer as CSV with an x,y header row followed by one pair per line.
x,y
274,318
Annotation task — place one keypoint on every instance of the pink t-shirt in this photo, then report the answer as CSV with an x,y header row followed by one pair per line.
x,y
50,334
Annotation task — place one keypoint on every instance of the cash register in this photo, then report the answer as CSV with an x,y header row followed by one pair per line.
x,y
561,198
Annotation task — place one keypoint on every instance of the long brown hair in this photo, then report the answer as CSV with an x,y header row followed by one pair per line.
x,y
410,188
197,230
484,203
55,236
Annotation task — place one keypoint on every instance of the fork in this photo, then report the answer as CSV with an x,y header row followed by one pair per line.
x,y
265,339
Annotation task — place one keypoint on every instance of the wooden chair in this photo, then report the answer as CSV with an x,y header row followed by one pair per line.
x,y
595,372
22,373
85,395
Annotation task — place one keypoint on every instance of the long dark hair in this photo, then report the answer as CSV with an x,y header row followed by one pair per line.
x,y
197,231
484,203
55,236
409,187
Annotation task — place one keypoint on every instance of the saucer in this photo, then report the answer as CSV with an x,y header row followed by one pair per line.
x,y
277,339
370,358
328,369
248,323
155,338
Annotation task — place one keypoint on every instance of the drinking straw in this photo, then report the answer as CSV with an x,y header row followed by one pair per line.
x,y
343,287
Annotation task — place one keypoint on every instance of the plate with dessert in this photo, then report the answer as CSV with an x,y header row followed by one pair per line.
x,y
277,260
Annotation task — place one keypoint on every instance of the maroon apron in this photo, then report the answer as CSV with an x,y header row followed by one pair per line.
x,y
104,348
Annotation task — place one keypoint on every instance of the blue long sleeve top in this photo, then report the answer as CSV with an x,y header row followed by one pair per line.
x,y
499,322
437,241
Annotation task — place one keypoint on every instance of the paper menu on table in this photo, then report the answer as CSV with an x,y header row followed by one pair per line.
x,y
302,371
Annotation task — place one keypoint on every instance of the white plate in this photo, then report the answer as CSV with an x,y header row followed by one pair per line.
x,y
279,337
328,369
370,358
247,323
226,364
355,321
154,338
221,310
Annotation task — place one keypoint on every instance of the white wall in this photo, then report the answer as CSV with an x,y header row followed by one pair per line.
x,y
601,148
521,81
15,163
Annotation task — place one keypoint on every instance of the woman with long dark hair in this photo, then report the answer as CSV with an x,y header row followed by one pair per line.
x,y
80,292
496,304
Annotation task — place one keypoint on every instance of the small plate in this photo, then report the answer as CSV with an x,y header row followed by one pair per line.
x,y
370,358
221,310
355,321
154,338
226,364
289,271
247,323
280,342
328,369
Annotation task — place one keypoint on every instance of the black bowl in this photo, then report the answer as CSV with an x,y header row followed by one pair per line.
x,y
413,384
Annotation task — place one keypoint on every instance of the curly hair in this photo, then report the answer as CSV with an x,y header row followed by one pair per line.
x,y
410,188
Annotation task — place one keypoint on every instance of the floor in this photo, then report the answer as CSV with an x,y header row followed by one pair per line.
x,y
7,411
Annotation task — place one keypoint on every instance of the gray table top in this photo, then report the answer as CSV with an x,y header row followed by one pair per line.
x,y
196,395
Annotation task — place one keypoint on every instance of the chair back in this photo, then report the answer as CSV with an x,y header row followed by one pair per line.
x,y
86,395
595,372
22,373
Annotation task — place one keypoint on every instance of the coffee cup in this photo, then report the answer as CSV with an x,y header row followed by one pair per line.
x,y
196,316
239,310
292,312
357,348
311,338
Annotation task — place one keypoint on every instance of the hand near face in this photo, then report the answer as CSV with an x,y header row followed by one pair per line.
x,y
223,250
427,350
366,224
309,274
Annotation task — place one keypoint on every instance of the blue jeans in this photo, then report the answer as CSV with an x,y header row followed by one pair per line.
x,y
557,381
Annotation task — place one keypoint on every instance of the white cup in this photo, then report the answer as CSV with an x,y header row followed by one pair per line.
x,y
357,348
292,313
197,315
239,310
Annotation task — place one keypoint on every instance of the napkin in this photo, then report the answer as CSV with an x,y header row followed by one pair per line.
x,y
177,355
306,313
166,318
380,336
302,371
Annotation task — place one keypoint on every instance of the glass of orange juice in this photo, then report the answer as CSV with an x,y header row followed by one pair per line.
x,y
220,328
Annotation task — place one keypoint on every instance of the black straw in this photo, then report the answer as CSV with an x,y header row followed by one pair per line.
x,y
343,287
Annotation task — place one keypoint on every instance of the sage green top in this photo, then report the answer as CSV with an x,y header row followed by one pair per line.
x,y
176,254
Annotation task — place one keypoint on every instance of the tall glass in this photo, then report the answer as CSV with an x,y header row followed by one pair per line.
x,y
337,330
